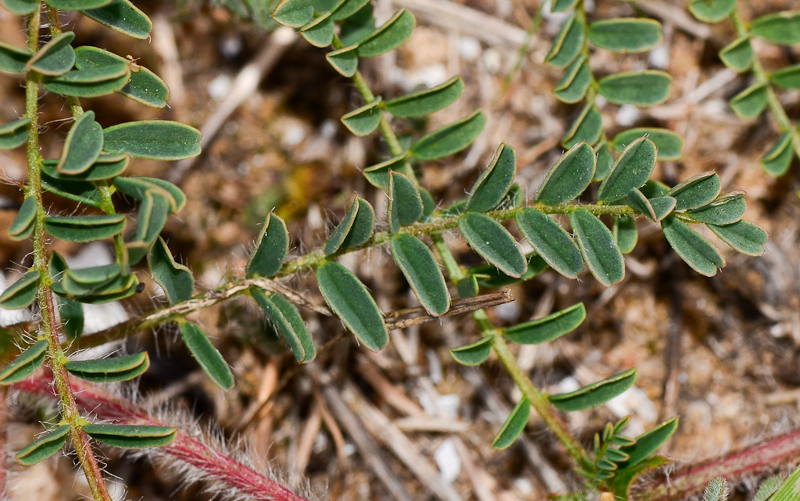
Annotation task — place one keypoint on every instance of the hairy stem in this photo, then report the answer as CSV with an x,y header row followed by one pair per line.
x,y
213,464
761,76
48,326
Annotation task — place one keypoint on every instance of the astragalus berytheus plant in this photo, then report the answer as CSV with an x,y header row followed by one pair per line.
x,y
587,183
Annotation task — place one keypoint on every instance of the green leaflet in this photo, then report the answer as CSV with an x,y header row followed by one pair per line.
x,y
475,353
207,356
788,77
648,442
587,127
654,209
122,16
117,289
72,320
353,304
131,437
25,364
450,138
105,167
13,59
551,241
24,222
14,134
109,370
55,57
271,248
389,36
640,88
77,4
85,228
137,187
468,287
514,425
347,8
320,31
20,7
654,189
87,83
594,394
428,203
378,174
114,285
96,275
153,214
494,243
294,13
355,229
622,480
625,34
727,209
604,160
21,293
344,60
175,279
575,82
631,170
696,191
363,121
781,28
489,276
625,233
286,320
44,447
357,27
568,43
695,250
744,236
750,102
144,86
79,191
668,143
405,202
788,490
767,488
82,147
598,247
738,55
153,139
569,177
549,328
493,183
426,101
562,5
712,11
422,272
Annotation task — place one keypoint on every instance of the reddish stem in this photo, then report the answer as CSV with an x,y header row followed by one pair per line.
x,y
755,460
194,452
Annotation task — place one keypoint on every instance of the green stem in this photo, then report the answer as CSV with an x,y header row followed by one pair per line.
x,y
762,76
537,398
49,329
